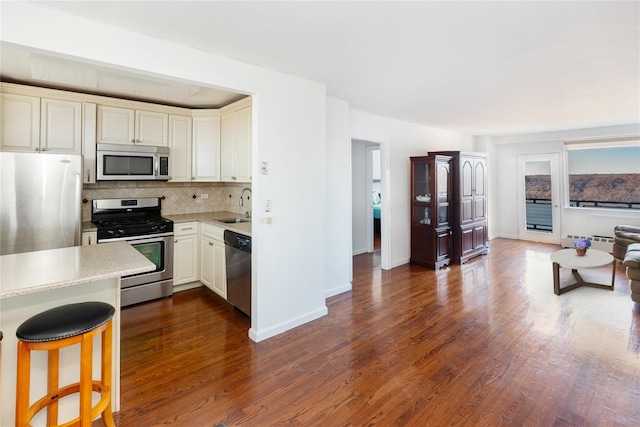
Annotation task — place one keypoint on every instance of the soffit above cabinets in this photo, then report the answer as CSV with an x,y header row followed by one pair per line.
x,y
32,68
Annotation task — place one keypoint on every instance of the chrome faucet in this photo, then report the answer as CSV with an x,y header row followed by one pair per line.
x,y
247,213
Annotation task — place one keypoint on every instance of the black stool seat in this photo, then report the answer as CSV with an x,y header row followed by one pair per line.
x,y
65,321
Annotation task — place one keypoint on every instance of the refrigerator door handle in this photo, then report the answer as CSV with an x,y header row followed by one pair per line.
x,y
78,212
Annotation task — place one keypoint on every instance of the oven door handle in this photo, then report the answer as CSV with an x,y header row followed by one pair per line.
x,y
142,239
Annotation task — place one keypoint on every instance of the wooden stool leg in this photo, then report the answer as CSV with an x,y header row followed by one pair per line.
x,y
86,380
107,339
23,382
53,375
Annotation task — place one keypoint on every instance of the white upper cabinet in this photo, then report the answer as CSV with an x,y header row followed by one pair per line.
x,y
37,124
61,126
118,125
180,146
89,142
19,122
236,146
206,147
152,128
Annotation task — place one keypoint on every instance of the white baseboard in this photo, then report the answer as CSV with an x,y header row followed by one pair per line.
x,y
503,236
399,262
185,286
263,334
337,290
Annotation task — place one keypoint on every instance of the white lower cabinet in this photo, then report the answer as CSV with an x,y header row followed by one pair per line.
x,y
212,259
185,253
89,238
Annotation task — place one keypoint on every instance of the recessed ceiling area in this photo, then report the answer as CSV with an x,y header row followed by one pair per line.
x,y
477,67
37,69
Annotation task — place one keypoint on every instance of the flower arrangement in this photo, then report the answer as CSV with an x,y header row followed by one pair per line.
x,y
581,244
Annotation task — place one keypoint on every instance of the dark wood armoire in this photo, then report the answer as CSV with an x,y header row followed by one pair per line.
x,y
469,200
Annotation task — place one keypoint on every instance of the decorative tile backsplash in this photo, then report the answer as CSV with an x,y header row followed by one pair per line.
x,y
178,196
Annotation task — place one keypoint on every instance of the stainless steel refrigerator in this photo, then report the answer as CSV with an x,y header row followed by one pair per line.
x,y
41,201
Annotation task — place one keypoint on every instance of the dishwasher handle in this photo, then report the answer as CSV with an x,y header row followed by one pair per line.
x,y
237,241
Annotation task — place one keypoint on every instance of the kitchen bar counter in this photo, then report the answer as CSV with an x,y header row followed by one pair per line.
x,y
213,217
32,272
33,282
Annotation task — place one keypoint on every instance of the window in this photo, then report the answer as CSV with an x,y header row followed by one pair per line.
x,y
604,174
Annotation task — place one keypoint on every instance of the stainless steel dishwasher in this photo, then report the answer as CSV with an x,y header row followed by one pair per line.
x,y
238,260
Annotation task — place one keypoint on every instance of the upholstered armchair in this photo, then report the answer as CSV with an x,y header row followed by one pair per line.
x,y
626,246
624,235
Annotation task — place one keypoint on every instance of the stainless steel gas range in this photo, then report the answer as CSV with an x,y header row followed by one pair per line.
x,y
139,223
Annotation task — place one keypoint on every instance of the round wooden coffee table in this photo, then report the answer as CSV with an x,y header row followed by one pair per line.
x,y
568,258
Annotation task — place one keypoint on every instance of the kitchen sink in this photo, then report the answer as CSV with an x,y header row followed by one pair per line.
x,y
233,220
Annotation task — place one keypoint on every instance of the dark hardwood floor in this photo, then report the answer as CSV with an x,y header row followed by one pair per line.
x,y
487,343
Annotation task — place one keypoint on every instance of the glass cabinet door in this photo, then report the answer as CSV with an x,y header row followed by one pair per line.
x,y
443,182
422,181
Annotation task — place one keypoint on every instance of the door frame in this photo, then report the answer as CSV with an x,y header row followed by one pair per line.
x,y
555,236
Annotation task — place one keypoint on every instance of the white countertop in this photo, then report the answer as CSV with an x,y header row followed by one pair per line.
x,y
32,272
212,218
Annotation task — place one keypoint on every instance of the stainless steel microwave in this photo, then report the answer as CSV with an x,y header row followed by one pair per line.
x,y
117,162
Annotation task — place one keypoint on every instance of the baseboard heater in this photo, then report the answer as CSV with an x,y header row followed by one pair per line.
x,y
602,243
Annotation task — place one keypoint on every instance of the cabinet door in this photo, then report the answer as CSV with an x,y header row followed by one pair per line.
x,y
443,244
180,145
206,149
89,143
115,125
480,237
466,190
207,261
61,126
228,148
479,190
467,245
151,128
89,238
235,157
185,259
220,269
243,145
19,122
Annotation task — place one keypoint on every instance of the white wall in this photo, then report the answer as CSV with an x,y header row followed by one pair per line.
x,y
338,263
399,141
289,122
503,152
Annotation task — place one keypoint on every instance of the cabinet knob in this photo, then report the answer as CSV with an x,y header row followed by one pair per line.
x,y
175,241
133,140
43,149
210,243
37,149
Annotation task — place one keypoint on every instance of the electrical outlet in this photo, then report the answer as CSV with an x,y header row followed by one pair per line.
x,y
204,196
267,205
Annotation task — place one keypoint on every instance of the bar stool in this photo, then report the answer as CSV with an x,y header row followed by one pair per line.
x,y
52,330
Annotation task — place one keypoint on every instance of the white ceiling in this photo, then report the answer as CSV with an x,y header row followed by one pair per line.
x,y
483,68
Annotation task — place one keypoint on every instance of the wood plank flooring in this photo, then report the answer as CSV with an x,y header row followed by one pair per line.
x,y
487,343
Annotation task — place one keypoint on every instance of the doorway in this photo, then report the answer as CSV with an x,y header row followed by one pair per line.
x,y
368,195
538,198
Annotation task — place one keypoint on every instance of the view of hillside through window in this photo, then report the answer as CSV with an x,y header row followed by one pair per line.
x,y
604,177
